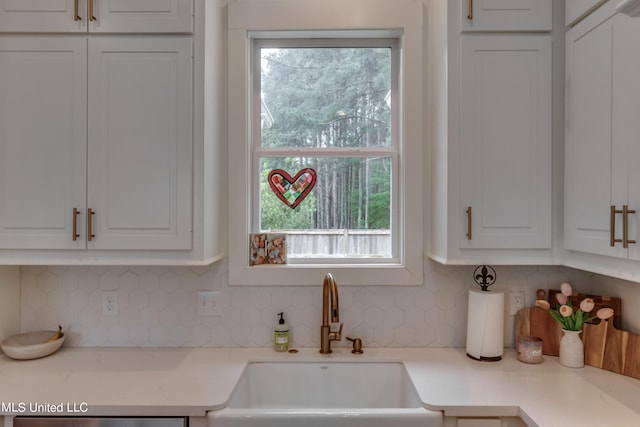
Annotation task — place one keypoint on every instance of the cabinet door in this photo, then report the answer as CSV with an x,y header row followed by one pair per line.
x,y
42,141
99,16
588,143
505,141
140,142
626,125
142,16
506,15
38,16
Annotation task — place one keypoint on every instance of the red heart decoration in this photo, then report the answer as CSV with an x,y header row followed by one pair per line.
x,y
292,191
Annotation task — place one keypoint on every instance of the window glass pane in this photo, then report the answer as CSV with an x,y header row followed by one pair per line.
x,y
326,97
347,213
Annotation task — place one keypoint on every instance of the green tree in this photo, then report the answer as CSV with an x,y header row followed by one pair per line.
x,y
324,98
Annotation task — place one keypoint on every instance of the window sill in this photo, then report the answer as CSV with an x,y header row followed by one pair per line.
x,y
313,274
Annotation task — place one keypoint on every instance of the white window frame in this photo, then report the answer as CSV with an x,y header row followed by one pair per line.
x,y
357,19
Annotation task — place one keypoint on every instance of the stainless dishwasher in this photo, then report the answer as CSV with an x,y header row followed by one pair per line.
x,y
30,421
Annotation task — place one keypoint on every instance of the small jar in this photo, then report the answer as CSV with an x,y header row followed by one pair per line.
x,y
529,349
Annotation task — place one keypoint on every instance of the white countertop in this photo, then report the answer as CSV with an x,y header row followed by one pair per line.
x,y
192,381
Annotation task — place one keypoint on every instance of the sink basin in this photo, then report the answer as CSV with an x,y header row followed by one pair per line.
x,y
324,385
324,393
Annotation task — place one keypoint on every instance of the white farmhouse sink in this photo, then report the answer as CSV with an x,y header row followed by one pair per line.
x,y
325,394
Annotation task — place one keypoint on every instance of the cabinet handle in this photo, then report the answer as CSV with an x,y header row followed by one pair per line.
x,y
612,227
76,212
470,15
91,15
76,16
468,211
625,226
90,214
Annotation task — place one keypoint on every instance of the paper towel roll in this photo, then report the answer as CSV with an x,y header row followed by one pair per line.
x,y
485,325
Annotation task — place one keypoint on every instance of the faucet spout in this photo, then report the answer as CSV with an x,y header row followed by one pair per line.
x,y
330,314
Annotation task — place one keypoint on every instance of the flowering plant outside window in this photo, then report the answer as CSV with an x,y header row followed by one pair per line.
x,y
567,316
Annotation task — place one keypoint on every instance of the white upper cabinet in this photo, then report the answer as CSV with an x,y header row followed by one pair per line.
x,y
43,87
140,148
492,133
138,141
602,182
506,15
110,144
588,143
626,129
505,139
106,16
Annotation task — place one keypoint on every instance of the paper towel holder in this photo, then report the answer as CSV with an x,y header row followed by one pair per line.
x,y
485,276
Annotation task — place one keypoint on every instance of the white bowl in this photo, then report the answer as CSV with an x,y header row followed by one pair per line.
x,y
31,345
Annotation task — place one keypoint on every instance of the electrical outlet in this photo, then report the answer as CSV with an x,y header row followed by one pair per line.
x,y
516,302
208,304
109,303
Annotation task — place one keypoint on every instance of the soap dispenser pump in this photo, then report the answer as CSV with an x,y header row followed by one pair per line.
x,y
281,335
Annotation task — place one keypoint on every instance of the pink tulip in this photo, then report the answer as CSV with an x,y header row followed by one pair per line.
x,y
561,298
587,305
566,311
566,289
543,304
605,313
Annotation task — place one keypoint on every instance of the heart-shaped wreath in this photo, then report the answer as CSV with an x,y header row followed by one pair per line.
x,y
292,191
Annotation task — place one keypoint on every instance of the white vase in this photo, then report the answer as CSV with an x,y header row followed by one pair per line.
x,y
571,349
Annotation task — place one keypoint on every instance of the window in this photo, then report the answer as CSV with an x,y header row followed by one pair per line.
x,y
325,140
328,106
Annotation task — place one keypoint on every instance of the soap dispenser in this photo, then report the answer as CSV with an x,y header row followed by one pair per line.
x,y
281,335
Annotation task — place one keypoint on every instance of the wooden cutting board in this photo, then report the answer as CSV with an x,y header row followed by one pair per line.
x,y
632,361
543,326
605,346
609,348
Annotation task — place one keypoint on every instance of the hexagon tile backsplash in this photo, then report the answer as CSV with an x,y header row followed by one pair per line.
x,y
157,306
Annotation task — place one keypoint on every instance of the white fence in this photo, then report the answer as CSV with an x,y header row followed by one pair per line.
x,y
332,243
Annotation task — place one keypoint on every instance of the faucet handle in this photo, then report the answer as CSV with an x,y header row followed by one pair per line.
x,y
337,336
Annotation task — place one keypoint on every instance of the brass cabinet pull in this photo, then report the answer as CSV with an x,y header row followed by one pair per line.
x,y
76,16
470,15
90,214
76,212
625,226
468,211
91,15
612,227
